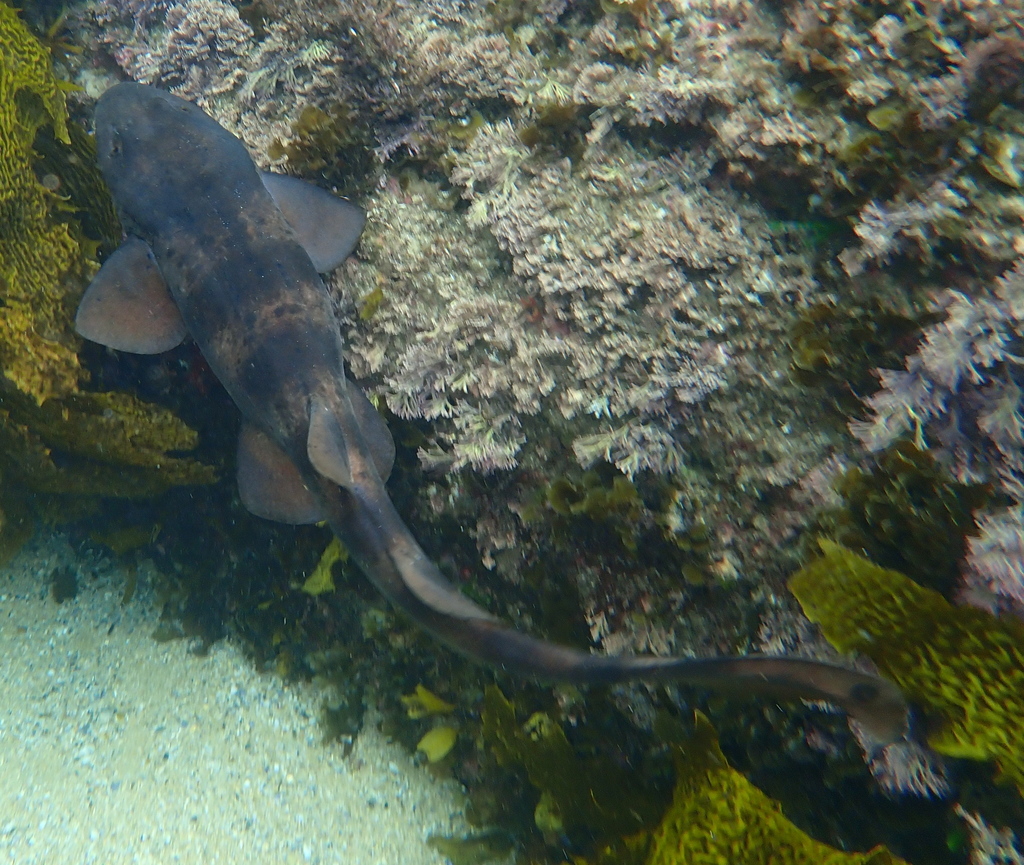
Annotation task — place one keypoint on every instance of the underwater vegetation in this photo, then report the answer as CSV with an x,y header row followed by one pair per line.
x,y
961,664
39,256
57,438
717,816
837,348
576,794
331,147
613,278
713,814
608,500
905,512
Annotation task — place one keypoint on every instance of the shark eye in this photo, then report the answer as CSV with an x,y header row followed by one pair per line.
x,y
115,143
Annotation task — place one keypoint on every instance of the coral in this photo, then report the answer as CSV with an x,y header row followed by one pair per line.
x,y
918,105
905,767
990,846
962,664
718,816
994,567
195,48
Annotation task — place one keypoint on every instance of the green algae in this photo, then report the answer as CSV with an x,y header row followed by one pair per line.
x,y
960,663
717,817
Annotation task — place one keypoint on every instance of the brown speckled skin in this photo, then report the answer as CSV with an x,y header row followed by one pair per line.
x,y
256,307
246,289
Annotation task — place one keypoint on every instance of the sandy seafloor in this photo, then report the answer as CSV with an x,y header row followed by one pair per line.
x,y
115,748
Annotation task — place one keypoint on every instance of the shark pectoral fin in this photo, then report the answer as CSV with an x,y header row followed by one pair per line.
x,y
325,445
127,306
328,227
375,431
269,484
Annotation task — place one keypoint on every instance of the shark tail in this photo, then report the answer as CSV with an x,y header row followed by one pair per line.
x,y
389,555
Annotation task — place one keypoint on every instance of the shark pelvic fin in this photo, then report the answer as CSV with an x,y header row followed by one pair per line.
x,y
127,306
328,227
269,484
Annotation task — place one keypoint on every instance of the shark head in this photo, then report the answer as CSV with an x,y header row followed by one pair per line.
x,y
157,151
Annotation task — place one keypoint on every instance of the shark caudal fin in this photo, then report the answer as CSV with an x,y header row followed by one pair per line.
x,y
877,704
390,557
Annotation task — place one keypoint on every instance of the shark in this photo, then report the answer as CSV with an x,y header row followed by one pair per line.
x,y
220,252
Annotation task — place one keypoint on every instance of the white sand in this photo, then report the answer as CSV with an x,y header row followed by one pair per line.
x,y
115,748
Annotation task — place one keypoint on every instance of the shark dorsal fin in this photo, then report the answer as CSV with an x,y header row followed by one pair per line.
x,y
127,305
269,484
375,431
327,446
328,227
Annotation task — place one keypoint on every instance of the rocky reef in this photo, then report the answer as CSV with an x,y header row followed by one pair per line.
x,y
655,295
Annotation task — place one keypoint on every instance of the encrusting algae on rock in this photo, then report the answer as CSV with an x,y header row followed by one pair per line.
x,y
962,663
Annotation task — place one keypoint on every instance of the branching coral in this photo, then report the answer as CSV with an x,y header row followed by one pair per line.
x,y
991,846
994,567
963,664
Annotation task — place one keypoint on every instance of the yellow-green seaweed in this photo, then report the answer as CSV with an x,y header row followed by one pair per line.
x,y
437,743
56,439
41,264
962,663
110,444
576,792
321,581
475,849
423,703
717,816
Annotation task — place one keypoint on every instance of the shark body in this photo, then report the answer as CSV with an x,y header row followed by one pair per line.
x,y
231,257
